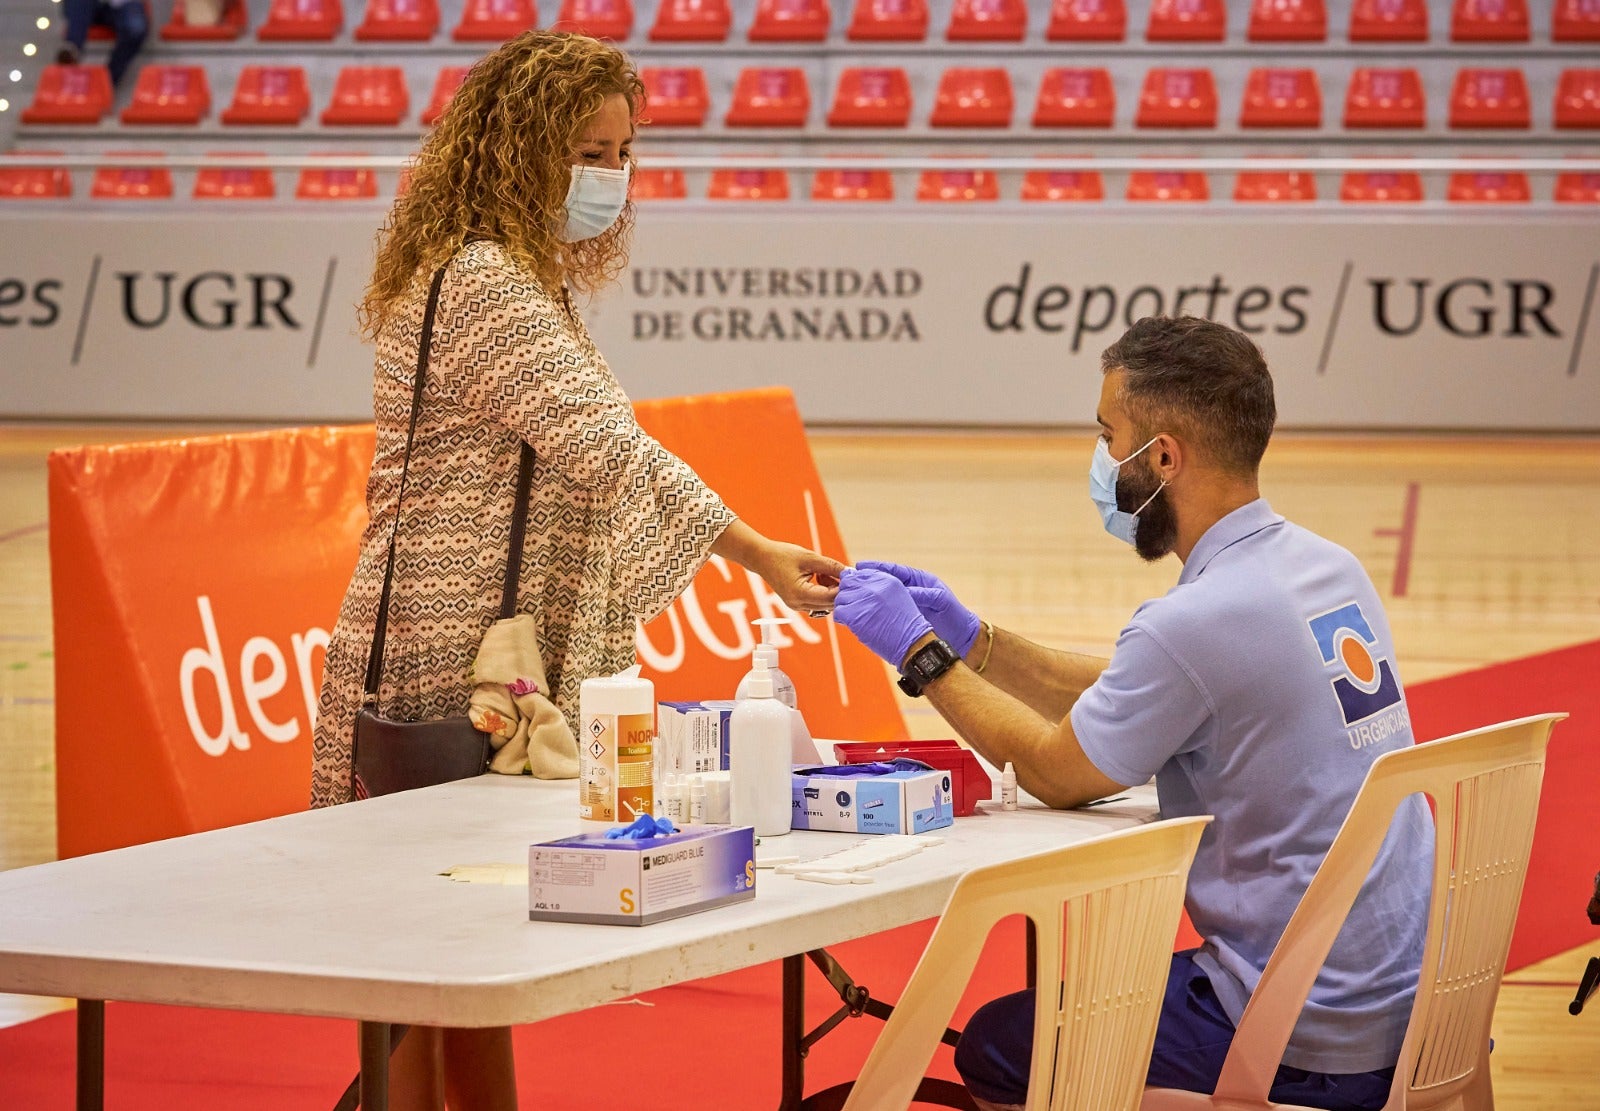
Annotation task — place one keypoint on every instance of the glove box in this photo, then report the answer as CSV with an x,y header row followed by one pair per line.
x,y
969,782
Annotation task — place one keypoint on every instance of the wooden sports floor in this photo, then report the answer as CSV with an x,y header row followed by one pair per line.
x,y
1484,550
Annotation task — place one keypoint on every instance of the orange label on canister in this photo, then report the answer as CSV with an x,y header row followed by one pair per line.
x,y
636,743
616,767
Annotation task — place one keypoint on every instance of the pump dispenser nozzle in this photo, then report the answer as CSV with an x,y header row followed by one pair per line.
x,y
765,656
758,684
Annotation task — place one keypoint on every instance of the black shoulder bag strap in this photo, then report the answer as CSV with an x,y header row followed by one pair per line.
x,y
519,513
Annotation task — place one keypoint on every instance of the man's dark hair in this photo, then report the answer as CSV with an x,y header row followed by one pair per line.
x,y
1208,381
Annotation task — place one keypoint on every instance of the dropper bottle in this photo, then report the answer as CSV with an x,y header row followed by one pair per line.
x,y
767,652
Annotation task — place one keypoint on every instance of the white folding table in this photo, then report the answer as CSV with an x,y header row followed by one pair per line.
x,y
343,913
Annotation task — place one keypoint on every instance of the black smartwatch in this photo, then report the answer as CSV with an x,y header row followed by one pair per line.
x,y
925,665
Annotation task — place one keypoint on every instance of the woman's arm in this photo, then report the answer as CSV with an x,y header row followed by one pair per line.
x,y
806,581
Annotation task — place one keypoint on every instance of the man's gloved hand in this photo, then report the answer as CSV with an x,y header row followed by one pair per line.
x,y
879,610
956,625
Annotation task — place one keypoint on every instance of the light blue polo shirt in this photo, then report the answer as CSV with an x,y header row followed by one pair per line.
x,y
1259,690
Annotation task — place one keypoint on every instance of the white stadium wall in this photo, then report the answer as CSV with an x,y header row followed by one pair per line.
x,y
1465,322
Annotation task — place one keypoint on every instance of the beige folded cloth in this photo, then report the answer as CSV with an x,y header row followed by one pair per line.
x,y
511,703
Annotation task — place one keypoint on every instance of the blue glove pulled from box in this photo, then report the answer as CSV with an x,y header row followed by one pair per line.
x,y
644,827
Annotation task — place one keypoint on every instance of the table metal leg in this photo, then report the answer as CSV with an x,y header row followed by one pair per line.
x,y
794,1032
91,1055
374,1066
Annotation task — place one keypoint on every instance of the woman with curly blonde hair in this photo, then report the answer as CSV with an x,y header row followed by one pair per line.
x,y
520,196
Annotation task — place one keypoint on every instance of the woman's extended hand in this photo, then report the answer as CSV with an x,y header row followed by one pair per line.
x,y
807,582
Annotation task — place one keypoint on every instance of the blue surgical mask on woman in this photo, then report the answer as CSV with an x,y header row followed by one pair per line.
x,y
595,199
1103,490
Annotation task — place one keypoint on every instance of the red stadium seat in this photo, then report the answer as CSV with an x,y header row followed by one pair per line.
x,y
1178,98
958,185
1380,188
658,185
1581,188
1578,99
889,21
34,183
675,97
494,20
137,183
791,21
234,183
1389,21
973,98
1274,187
171,95
70,94
749,185
600,19
1288,21
691,21
398,21
1490,188
368,96
1087,21
340,183
1187,21
1062,185
1385,98
1575,21
272,96
1490,98
988,21
872,98
852,185
1489,21
444,88
301,21
1281,98
229,26
1075,98
770,98
1168,185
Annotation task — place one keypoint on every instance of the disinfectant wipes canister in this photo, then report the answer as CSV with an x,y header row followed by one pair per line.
x,y
616,747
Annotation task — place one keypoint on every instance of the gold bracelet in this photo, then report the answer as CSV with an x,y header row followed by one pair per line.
x,y
987,652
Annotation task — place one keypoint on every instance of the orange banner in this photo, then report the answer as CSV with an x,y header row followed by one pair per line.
x,y
195,583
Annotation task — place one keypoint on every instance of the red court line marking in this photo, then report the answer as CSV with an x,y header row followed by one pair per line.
x,y
23,531
1406,533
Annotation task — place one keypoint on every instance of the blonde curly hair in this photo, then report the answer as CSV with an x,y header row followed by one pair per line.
x,y
496,166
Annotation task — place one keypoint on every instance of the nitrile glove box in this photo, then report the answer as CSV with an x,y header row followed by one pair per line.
x,y
622,882
905,800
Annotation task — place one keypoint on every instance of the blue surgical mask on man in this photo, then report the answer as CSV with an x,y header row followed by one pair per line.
x,y
1103,490
595,199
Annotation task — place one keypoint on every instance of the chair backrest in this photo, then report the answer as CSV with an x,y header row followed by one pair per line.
x,y
1485,789
1105,912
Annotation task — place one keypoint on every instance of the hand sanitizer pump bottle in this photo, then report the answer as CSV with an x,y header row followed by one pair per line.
x,y
758,756
767,650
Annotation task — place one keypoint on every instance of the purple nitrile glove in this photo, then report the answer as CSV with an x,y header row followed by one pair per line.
x,y
956,625
879,610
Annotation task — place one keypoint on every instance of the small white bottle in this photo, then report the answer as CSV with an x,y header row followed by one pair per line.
x,y
697,801
1008,788
767,650
758,757
672,791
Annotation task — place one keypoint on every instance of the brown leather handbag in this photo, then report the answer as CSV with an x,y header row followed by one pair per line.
x,y
393,755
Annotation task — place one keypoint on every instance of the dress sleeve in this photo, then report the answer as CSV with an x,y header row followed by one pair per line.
x,y
510,353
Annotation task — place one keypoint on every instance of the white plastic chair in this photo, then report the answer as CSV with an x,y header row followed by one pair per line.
x,y
1118,898
1485,788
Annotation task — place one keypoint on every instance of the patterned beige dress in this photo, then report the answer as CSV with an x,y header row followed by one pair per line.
x,y
617,525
